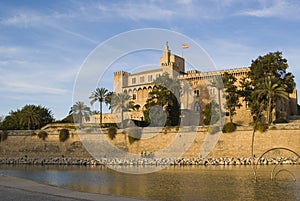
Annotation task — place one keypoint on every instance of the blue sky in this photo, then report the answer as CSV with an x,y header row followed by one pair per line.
x,y
43,44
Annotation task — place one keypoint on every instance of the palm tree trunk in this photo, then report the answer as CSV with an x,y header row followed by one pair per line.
x,y
253,136
80,120
100,113
220,107
122,118
28,124
270,111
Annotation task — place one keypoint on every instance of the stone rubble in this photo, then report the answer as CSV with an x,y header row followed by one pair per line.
x,y
149,161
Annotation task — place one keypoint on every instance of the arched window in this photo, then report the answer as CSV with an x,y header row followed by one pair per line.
x,y
197,107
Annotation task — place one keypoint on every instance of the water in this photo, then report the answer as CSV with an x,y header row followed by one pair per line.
x,y
172,183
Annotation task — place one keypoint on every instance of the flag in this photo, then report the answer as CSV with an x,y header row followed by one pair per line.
x,y
184,46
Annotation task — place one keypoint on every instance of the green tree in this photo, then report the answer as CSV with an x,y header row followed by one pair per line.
x,y
272,64
108,98
99,95
211,113
271,91
79,111
68,119
231,94
121,102
246,89
165,93
268,75
217,82
186,90
29,117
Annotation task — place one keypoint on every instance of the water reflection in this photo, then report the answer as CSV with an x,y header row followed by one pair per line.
x,y
172,183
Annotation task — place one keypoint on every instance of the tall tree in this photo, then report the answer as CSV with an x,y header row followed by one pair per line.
x,y
165,93
99,95
272,64
186,89
108,98
211,113
121,102
267,74
231,94
217,83
30,117
271,90
79,111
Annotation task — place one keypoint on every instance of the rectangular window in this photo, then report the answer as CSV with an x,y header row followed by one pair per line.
x,y
157,75
142,79
133,81
149,78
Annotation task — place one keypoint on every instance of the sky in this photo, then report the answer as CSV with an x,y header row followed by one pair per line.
x,y
44,44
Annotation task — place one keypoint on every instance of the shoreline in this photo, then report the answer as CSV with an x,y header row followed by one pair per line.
x,y
147,161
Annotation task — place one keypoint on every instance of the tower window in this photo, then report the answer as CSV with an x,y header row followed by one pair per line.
x,y
197,93
196,107
142,79
133,80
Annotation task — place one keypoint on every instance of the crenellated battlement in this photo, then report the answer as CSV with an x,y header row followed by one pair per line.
x,y
121,73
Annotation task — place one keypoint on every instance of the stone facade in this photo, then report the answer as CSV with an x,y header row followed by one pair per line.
x,y
196,91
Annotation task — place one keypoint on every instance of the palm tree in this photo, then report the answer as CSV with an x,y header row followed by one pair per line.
x,y
108,98
30,117
272,90
79,111
99,95
264,98
121,102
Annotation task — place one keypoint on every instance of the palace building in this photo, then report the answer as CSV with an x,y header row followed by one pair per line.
x,y
196,91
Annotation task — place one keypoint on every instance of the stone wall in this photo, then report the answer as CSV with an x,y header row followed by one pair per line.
x,y
236,144
28,144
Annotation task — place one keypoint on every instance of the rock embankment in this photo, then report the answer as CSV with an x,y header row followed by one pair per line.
x,y
149,161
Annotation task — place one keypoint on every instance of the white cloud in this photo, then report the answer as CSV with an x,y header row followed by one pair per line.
x,y
32,88
137,11
26,19
277,8
22,19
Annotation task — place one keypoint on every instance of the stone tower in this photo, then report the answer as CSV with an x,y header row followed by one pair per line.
x,y
120,81
170,63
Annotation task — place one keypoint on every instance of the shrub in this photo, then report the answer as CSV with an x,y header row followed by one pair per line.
x,y
229,127
280,121
262,127
42,134
3,136
112,131
134,134
64,135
